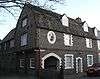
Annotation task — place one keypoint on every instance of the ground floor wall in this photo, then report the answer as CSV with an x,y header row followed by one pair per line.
x,y
25,62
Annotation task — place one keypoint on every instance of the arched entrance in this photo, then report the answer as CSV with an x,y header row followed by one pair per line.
x,y
51,63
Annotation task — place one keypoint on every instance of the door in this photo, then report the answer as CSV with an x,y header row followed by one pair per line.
x,y
51,63
79,65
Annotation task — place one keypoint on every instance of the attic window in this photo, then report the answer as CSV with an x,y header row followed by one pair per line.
x,y
64,20
96,32
24,22
85,27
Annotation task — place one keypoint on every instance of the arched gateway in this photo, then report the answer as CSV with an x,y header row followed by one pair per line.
x,y
51,61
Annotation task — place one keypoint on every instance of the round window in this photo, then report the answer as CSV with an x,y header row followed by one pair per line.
x,y
51,37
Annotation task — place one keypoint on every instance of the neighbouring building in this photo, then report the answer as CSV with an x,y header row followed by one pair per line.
x,y
46,40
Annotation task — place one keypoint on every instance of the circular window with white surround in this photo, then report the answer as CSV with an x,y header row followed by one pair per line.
x,y
51,37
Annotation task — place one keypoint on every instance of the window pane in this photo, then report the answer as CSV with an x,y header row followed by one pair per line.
x,y
24,40
24,23
32,63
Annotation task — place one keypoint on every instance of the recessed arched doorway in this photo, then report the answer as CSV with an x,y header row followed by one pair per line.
x,y
51,63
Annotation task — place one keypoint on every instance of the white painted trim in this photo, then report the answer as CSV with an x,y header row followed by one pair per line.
x,y
96,32
71,62
48,55
88,60
21,62
31,63
98,43
77,64
85,27
48,37
88,43
67,39
65,20
99,57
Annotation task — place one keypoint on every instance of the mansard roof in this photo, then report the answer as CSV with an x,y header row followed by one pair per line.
x,y
9,36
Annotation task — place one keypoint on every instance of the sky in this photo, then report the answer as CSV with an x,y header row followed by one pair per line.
x,y
87,10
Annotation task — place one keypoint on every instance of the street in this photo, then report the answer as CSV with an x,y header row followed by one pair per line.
x,y
90,77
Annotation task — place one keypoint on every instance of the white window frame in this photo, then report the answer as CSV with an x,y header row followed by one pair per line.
x,y
65,21
89,60
79,58
72,62
98,43
24,39
88,43
99,57
31,62
68,40
24,22
21,62
96,32
85,27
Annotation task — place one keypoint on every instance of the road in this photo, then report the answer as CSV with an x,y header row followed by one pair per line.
x,y
90,77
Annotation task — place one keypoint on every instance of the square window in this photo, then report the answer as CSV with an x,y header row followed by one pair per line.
x,y
98,42
68,40
69,61
89,60
88,43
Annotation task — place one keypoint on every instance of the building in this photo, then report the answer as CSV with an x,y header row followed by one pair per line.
x,y
44,40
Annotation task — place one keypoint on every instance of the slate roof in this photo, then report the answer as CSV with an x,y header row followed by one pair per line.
x,y
9,36
75,29
76,24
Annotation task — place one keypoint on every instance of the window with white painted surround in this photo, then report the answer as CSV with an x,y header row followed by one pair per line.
x,y
88,43
32,63
89,60
85,27
24,39
96,32
65,21
99,57
98,42
22,61
68,40
69,61
24,22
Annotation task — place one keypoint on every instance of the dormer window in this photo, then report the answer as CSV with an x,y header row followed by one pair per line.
x,y
64,21
24,22
88,43
85,27
96,32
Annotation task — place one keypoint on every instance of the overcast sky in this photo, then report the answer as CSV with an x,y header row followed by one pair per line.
x,y
87,10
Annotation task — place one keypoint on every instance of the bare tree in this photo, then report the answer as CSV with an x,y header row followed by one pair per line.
x,y
13,6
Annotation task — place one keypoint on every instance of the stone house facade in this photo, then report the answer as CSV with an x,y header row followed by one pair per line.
x,y
46,40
